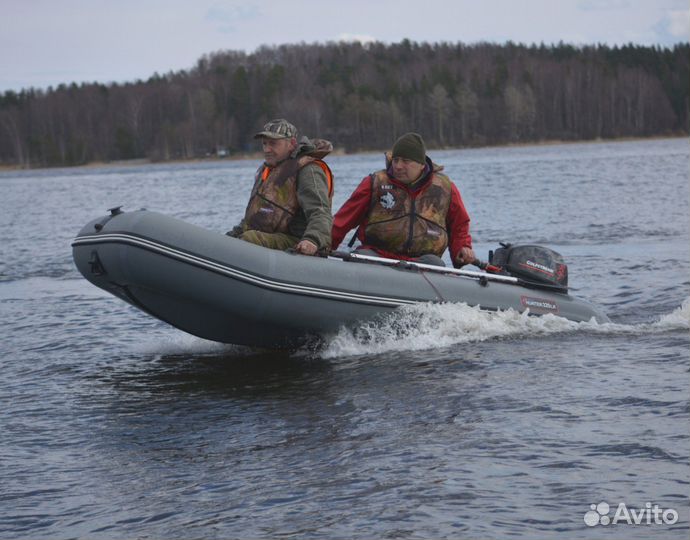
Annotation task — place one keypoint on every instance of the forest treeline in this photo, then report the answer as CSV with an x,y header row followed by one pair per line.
x,y
359,96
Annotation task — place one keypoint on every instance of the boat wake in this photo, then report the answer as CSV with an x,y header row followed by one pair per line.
x,y
424,327
434,326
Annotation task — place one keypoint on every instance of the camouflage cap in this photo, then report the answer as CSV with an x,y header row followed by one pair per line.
x,y
278,129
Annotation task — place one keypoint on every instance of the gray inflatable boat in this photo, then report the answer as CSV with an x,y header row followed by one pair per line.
x,y
227,290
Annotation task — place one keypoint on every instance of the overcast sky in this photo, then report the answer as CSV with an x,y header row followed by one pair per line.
x,y
48,42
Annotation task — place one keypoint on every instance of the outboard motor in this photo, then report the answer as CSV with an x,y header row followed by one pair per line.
x,y
536,264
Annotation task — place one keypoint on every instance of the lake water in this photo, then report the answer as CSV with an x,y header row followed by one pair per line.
x,y
443,423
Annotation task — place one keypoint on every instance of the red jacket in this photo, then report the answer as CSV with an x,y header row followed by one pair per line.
x,y
354,213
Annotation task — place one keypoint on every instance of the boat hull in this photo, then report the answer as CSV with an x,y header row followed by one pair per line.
x,y
223,289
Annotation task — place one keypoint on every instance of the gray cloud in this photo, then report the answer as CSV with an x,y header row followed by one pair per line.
x,y
46,43
227,16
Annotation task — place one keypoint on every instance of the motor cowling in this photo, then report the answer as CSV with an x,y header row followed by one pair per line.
x,y
536,264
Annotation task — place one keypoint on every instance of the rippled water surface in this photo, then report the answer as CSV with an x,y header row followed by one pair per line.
x,y
441,422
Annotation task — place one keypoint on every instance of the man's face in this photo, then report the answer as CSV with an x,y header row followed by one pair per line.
x,y
276,150
406,170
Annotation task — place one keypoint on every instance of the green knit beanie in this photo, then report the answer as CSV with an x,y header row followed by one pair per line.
x,y
410,146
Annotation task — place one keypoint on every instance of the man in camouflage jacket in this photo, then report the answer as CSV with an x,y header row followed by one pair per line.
x,y
410,210
290,204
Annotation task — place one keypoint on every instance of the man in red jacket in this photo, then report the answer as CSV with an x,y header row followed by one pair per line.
x,y
410,210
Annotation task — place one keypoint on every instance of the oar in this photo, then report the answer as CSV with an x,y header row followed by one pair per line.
x,y
428,267
483,277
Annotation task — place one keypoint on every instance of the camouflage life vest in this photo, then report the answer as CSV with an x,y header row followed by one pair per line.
x,y
273,202
407,225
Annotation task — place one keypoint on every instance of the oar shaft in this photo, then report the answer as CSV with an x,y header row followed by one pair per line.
x,y
422,266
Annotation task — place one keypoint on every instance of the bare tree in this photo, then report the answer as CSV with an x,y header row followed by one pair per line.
x,y
440,103
359,96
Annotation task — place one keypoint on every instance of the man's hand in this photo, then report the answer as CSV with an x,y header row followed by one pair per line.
x,y
236,231
306,247
466,256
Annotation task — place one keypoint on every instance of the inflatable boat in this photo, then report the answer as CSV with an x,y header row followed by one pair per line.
x,y
227,290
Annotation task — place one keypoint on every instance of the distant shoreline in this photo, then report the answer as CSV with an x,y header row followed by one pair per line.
x,y
338,152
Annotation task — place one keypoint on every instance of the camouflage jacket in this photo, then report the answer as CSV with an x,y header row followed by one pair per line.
x,y
294,197
406,222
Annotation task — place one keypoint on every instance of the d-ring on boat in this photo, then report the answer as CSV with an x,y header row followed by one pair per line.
x,y
227,290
